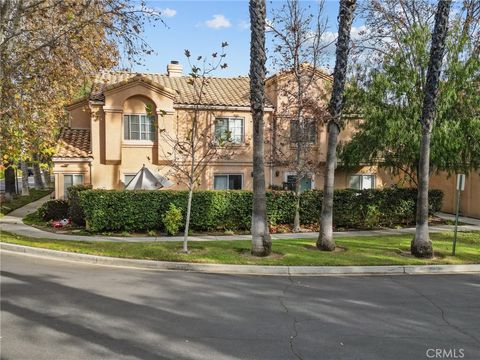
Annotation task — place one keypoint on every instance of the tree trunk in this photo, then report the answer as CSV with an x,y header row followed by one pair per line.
x,y
25,189
421,245
261,242
325,239
187,218
9,182
47,178
37,174
296,220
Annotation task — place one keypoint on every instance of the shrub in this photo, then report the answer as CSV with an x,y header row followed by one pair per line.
x,y
75,211
112,210
54,210
172,220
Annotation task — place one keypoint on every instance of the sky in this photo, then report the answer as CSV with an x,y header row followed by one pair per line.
x,y
201,27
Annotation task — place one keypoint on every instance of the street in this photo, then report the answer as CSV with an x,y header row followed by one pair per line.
x,y
61,310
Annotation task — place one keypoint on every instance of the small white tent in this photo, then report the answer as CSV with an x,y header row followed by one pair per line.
x,y
147,179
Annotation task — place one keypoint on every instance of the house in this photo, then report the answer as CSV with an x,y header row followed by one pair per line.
x,y
114,131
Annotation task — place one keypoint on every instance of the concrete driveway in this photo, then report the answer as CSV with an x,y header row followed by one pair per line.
x,y
60,310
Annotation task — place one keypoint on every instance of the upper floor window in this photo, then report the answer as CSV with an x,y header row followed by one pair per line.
x,y
362,182
139,127
230,129
303,132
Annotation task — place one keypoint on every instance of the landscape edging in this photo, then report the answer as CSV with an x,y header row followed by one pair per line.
x,y
243,269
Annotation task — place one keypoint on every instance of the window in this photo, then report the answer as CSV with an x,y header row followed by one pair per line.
x,y
361,182
139,127
304,131
128,178
71,180
227,182
229,129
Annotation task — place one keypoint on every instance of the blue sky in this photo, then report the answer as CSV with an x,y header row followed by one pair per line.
x,y
201,26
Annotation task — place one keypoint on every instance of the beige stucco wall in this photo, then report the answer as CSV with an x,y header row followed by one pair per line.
x,y
469,198
69,167
79,116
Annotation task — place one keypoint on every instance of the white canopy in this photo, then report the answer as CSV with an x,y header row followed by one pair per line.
x,y
147,179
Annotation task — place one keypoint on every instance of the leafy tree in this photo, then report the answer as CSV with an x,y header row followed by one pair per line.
x,y
297,54
385,92
261,241
48,50
325,239
194,146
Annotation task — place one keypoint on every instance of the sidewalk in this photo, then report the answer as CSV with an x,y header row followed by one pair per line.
x,y
13,223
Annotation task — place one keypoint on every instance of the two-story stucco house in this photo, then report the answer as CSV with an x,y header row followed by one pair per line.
x,y
111,135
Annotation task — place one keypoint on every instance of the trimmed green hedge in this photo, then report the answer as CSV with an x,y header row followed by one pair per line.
x,y
75,211
112,210
54,210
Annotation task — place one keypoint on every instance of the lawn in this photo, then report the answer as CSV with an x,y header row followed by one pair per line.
x,y
374,250
19,201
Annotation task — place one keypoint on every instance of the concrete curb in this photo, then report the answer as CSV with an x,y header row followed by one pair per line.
x,y
243,269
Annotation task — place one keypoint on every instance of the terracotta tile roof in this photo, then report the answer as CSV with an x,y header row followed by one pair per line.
x,y
74,143
219,92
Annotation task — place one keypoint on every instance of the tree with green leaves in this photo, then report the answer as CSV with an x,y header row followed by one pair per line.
x,y
389,78
261,241
49,49
325,239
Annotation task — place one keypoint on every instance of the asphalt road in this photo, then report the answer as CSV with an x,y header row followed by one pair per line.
x,y
61,310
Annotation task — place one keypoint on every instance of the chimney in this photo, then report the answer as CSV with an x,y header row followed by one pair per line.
x,y
174,69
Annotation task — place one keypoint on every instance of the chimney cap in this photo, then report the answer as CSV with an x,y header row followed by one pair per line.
x,y
175,62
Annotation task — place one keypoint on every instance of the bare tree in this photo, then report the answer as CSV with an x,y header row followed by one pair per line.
x,y
297,48
421,245
261,241
194,144
325,239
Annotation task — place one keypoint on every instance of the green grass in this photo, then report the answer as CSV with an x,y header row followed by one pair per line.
x,y
19,201
373,250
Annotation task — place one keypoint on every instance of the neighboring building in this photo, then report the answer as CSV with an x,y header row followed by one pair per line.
x,y
469,198
111,135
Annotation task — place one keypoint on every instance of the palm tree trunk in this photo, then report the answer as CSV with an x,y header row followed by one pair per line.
x,y
261,242
421,245
325,239
25,189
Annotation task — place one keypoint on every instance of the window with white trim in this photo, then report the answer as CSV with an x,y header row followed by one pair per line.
x,y
227,182
139,127
71,180
229,129
362,181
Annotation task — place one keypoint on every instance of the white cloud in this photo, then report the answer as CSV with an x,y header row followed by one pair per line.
x,y
244,25
167,12
218,22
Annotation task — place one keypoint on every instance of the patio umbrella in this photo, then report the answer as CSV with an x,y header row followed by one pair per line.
x,y
147,179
